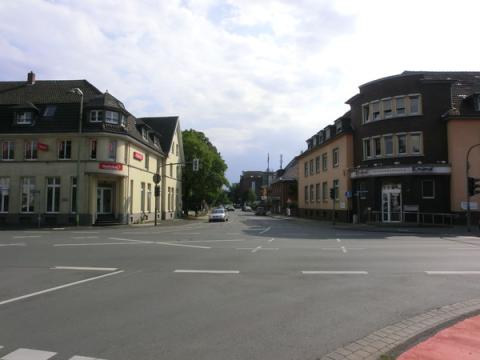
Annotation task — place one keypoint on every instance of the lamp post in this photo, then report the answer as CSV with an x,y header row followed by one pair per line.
x,y
77,91
467,168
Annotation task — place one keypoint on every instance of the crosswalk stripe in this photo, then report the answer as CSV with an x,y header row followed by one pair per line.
x,y
76,357
29,354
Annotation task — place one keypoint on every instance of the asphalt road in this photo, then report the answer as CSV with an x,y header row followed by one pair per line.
x,y
251,288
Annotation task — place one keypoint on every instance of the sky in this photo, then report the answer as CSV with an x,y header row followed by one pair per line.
x,y
257,77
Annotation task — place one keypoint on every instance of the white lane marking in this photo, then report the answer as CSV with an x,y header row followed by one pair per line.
x,y
265,230
26,236
335,272
85,232
344,249
29,354
15,244
131,240
271,239
83,268
184,245
465,248
207,271
1,347
256,249
99,244
84,237
338,240
76,357
453,272
253,250
232,233
179,232
58,288
58,229
202,241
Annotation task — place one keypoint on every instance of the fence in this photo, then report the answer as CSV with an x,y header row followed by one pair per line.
x,y
413,217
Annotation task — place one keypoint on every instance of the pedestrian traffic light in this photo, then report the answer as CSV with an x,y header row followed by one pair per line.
x,y
332,193
473,186
196,164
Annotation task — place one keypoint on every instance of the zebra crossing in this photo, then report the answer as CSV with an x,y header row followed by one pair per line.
x,y
32,354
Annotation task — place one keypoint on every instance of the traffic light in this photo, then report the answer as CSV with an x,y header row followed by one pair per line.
x,y
332,193
473,186
157,190
196,164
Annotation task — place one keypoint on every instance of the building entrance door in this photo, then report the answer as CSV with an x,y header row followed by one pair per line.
x,y
392,203
104,200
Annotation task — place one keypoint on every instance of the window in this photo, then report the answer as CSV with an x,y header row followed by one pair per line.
x,y
4,194
428,189
388,145
8,150
65,149
111,117
149,197
73,205
387,108
325,191
376,110
477,103
415,146
317,164
400,105
328,133
324,162
306,169
317,192
49,111
156,141
336,189
306,193
338,126
53,194
27,194
402,144
147,160
123,120
142,197
414,104
96,116
311,167
367,152
93,149
112,150
377,147
366,113
144,134
312,196
31,150
23,117
335,158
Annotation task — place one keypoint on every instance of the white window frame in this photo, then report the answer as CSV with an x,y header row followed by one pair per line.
x,y
404,105
63,155
389,115
23,117
366,113
33,145
317,192
324,161
397,148
10,147
373,105
384,145
54,188
420,143
98,116
433,188
112,117
4,194
112,150
369,147
335,157
27,187
419,109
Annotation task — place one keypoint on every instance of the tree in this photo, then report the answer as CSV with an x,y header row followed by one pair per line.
x,y
234,193
206,184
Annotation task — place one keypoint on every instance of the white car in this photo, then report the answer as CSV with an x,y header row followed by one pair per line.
x,y
218,214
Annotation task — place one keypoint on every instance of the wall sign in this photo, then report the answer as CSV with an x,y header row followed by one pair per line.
x,y
137,156
110,166
42,147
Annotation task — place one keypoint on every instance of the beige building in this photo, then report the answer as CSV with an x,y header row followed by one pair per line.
x,y
324,169
42,177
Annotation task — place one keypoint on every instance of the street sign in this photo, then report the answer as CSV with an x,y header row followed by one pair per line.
x,y
157,178
348,194
473,205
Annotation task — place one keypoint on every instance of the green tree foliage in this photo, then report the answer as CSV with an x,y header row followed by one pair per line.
x,y
234,193
206,184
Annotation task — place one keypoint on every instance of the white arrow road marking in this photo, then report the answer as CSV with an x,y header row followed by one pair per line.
x,y
207,271
29,354
83,268
55,289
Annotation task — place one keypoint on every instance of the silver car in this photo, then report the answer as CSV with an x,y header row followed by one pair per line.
x,y
218,214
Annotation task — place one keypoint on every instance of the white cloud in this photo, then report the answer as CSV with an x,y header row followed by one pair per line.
x,y
255,76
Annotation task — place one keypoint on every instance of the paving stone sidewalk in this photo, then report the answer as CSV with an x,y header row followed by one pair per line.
x,y
394,339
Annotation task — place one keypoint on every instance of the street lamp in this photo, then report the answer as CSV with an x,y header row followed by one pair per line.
x,y
469,213
77,91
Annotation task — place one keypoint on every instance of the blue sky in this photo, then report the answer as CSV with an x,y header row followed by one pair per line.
x,y
257,76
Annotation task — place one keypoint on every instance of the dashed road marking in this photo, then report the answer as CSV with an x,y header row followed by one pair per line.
x,y
131,240
453,272
271,240
183,245
254,250
83,268
326,272
98,244
338,240
15,244
203,241
76,357
84,237
29,354
26,236
207,271
344,250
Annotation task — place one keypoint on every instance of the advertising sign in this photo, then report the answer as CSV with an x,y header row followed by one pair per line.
x,y
110,166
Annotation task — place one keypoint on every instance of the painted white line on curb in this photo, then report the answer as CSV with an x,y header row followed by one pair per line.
x,y
453,272
207,271
265,230
58,287
335,272
183,245
15,244
26,236
29,354
83,268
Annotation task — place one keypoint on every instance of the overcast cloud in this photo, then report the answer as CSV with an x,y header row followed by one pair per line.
x,y
257,76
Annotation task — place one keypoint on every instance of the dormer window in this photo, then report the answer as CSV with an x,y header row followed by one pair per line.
x,y
338,126
111,117
49,111
123,120
145,134
156,141
327,133
96,116
23,117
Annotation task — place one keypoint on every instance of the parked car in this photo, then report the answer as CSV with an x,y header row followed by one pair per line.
x,y
230,208
246,208
218,214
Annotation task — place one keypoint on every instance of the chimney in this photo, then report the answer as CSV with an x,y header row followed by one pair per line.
x,y
31,78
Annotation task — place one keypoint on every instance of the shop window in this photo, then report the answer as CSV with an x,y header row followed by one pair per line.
x,y
428,189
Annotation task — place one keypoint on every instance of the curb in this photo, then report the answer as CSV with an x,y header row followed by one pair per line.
x,y
395,339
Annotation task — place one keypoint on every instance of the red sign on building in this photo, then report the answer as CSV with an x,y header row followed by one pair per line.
x,y
137,155
42,147
110,166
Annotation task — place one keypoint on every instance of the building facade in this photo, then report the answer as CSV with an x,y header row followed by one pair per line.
x,y
326,165
66,144
284,189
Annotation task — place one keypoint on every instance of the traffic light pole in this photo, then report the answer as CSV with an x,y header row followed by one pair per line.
x,y
467,168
